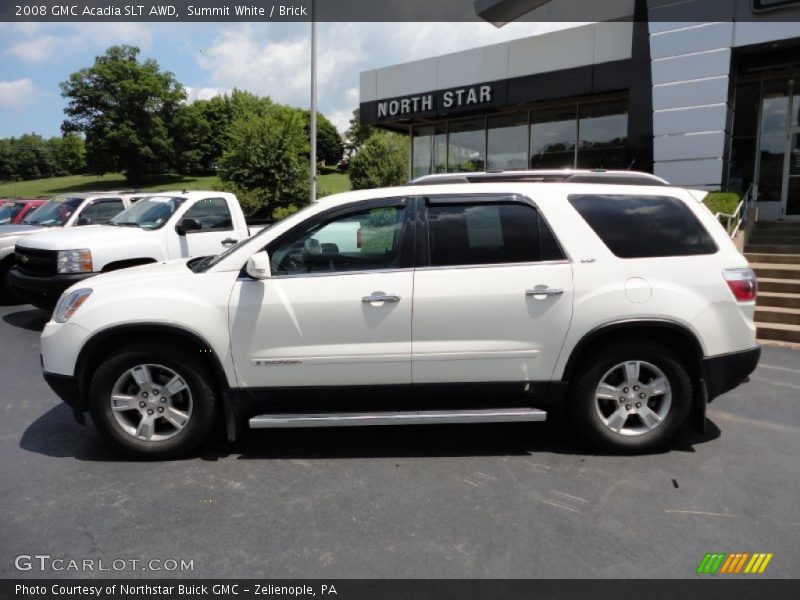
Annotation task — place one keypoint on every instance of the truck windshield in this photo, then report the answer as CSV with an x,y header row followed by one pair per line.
x,y
148,213
8,211
53,213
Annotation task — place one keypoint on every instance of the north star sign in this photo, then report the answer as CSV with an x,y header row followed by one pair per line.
x,y
425,103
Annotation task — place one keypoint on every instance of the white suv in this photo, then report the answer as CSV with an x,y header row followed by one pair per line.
x,y
613,298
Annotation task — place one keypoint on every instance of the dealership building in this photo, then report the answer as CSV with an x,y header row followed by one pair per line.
x,y
708,104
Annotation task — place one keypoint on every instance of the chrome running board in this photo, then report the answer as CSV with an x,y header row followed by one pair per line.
x,y
497,415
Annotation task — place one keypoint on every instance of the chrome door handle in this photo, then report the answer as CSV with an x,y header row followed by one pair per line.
x,y
381,298
544,291
229,241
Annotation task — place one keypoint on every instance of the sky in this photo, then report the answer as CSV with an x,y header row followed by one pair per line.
x,y
212,58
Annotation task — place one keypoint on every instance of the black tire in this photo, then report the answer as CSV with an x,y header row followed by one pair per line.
x,y
188,367
8,295
582,407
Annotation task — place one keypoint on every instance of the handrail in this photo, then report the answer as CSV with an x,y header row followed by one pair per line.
x,y
739,216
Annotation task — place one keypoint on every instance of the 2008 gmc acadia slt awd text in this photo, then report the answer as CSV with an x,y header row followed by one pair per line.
x,y
614,298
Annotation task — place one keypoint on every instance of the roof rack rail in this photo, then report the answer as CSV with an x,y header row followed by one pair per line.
x,y
547,176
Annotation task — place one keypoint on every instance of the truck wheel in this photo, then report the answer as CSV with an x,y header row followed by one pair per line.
x,y
152,401
8,294
631,397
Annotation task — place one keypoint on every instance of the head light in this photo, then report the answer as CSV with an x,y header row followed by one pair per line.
x,y
69,303
75,261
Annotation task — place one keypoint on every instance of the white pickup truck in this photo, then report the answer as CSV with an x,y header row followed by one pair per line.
x,y
160,227
62,211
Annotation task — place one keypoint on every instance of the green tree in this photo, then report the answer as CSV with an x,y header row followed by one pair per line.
x,y
330,147
382,161
267,157
356,134
190,135
125,108
70,154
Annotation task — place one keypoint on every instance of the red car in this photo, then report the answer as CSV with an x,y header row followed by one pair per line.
x,y
13,210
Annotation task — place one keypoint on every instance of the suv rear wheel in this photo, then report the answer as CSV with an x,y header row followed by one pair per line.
x,y
152,402
631,397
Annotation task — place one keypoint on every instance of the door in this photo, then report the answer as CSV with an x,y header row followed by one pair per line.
x,y
216,232
495,301
790,200
337,309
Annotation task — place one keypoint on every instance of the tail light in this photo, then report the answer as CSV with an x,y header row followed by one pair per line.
x,y
742,283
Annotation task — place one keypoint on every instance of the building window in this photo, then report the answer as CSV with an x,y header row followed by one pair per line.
x,y
742,166
508,142
429,150
553,135
589,135
421,151
603,136
466,146
772,139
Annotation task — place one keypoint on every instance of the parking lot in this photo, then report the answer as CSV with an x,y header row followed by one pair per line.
x,y
505,501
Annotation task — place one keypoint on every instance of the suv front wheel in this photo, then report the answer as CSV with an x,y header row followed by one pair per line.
x,y
152,402
631,397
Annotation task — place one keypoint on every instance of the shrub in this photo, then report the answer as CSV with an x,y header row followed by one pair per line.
x,y
722,202
381,162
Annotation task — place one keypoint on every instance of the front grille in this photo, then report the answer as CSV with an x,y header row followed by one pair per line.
x,y
36,262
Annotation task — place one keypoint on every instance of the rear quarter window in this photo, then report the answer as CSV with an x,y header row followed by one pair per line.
x,y
644,226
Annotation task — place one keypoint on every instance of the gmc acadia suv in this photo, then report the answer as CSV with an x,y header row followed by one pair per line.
x,y
611,297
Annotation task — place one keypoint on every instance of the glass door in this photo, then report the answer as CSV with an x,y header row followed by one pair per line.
x,y
790,201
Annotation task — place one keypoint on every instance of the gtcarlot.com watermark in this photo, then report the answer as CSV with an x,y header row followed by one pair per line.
x,y
49,563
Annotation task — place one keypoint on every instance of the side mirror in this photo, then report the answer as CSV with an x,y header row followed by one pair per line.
x,y
258,267
84,221
187,225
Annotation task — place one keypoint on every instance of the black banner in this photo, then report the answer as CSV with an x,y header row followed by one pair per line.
x,y
410,589
494,11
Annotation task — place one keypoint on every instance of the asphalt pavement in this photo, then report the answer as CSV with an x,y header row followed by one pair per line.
x,y
501,501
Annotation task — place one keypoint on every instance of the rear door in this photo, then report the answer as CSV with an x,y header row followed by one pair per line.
x,y
216,232
492,292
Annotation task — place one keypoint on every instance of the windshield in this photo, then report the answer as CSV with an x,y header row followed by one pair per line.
x,y
53,213
8,211
148,213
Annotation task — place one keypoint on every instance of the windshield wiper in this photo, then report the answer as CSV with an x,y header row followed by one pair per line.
x,y
125,223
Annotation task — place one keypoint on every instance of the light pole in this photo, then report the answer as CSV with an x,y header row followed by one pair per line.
x,y
313,191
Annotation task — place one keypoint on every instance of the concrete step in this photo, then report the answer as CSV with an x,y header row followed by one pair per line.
x,y
778,332
780,286
775,314
775,240
776,271
788,225
762,257
778,299
772,248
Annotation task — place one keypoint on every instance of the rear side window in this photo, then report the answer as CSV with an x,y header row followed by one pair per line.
x,y
212,213
488,233
644,226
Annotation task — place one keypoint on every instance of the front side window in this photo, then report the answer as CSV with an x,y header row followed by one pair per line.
x,y
358,241
53,213
148,213
212,214
644,226
486,233
9,212
101,211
